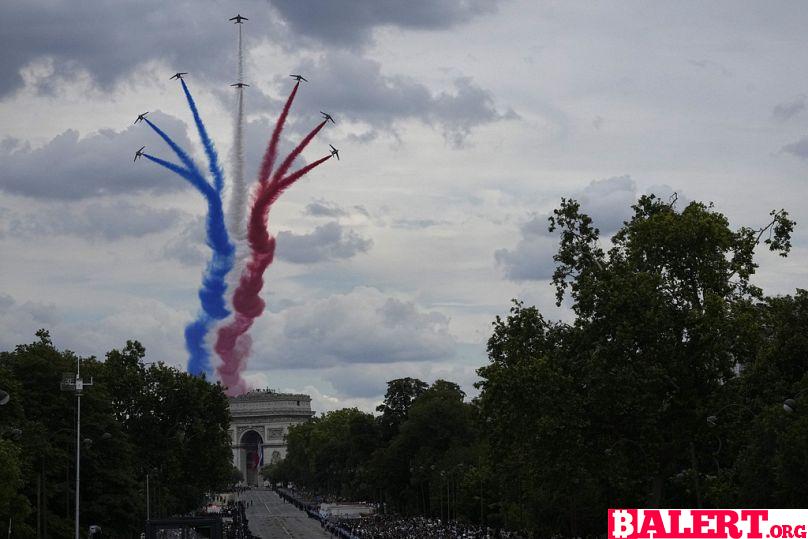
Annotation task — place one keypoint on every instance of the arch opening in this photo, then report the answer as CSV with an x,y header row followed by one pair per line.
x,y
252,449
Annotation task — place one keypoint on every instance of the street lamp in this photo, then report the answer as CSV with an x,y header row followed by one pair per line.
x,y
790,404
712,420
76,384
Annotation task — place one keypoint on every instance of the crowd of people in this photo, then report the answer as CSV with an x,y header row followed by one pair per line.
x,y
396,527
232,513
392,526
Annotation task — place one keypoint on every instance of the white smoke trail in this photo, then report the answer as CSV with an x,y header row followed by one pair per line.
x,y
238,195
238,191
240,57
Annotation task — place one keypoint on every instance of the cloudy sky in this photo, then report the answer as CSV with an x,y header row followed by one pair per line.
x,y
460,123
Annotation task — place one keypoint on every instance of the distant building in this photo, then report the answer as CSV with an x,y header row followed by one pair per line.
x,y
261,419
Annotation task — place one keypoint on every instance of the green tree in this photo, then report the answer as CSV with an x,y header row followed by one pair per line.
x,y
11,503
330,454
762,458
47,445
179,425
401,392
613,407
135,420
434,448
11,418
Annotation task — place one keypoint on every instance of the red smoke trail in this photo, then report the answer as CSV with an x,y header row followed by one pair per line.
x,y
267,193
272,150
233,344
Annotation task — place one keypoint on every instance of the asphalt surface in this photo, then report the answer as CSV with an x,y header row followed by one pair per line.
x,y
270,518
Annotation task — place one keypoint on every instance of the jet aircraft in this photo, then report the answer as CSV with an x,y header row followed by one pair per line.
x,y
141,117
138,153
239,85
238,19
299,78
177,76
334,152
328,117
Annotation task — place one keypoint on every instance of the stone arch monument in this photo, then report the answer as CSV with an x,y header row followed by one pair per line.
x,y
260,421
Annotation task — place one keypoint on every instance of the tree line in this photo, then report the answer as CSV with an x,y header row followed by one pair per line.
x,y
676,383
137,421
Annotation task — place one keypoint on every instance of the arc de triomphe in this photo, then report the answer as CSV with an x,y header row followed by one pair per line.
x,y
260,421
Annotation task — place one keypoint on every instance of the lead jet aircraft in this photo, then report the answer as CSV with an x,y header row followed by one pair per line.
x,y
334,152
299,78
141,117
177,76
138,153
238,19
328,117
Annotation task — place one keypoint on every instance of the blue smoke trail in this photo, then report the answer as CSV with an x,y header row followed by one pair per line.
x,y
194,179
212,291
187,161
210,151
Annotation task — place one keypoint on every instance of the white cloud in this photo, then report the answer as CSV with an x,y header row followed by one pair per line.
x,y
702,103
362,326
608,202
70,167
326,242
789,109
108,220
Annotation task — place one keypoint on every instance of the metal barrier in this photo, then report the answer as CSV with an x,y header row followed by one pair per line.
x,y
184,528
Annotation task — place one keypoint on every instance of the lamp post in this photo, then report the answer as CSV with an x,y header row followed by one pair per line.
x,y
76,384
149,472
148,499
4,398
790,404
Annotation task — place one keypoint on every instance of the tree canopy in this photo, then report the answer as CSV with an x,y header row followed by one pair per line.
x,y
665,388
135,419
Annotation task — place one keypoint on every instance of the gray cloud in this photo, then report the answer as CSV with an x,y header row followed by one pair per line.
x,y
19,321
350,23
108,221
530,260
67,34
363,326
710,65
188,246
798,148
109,39
354,88
608,202
360,381
69,167
788,109
323,208
327,209
416,224
367,380
327,242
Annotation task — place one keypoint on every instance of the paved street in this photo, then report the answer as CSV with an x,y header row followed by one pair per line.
x,y
271,518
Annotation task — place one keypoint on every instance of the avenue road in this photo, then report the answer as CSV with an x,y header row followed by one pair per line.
x,y
270,518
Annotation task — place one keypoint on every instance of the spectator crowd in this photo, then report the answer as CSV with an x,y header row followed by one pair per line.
x,y
396,527
392,526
